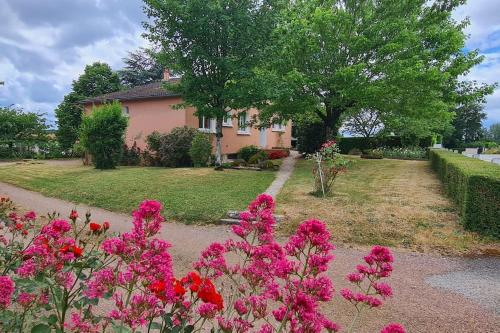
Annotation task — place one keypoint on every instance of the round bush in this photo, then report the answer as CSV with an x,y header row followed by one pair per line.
x,y
175,146
247,152
102,134
201,150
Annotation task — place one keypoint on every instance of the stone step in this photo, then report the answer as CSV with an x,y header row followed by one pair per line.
x,y
235,215
229,221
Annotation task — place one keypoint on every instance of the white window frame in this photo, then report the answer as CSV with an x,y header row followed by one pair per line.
x,y
279,127
227,121
243,130
211,125
125,111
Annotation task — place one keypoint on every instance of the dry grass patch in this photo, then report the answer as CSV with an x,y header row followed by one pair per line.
x,y
389,202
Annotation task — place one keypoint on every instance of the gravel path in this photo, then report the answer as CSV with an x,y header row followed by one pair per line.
x,y
432,293
283,174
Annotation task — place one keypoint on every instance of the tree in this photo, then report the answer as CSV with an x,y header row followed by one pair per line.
x,y
102,134
494,132
96,80
366,123
214,45
340,57
141,67
201,150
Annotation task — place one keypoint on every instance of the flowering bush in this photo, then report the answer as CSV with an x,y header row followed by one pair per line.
x,y
277,154
328,163
406,153
59,277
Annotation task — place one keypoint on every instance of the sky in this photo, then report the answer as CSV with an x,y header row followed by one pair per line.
x,y
45,45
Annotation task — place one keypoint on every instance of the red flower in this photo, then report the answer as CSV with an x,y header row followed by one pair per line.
x,y
73,215
70,248
19,226
105,225
158,288
193,280
179,288
208,294
94,227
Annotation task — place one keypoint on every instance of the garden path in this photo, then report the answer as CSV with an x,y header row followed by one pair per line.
x,y
285,171
422,302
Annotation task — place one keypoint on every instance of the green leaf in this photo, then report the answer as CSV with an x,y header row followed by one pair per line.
x,y
40,328
52,319
155,326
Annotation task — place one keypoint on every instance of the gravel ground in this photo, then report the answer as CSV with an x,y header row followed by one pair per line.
x,y
432,293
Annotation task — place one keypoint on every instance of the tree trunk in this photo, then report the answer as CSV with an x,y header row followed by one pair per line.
x,y
218,142
332,122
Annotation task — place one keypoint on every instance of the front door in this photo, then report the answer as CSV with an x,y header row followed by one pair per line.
x,y
263,138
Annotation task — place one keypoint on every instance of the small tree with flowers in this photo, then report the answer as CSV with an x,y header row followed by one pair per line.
x,y
328,163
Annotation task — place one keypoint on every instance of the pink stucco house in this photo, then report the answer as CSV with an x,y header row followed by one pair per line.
x,y
151,108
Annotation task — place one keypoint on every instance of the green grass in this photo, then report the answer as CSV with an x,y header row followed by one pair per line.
x,y
189,195
396,203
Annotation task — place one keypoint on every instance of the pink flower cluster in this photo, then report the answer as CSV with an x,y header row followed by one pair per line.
x,y
139,260
7,287
366,279
286,282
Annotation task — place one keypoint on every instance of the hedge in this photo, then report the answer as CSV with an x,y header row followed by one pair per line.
x,y
346,144
475,187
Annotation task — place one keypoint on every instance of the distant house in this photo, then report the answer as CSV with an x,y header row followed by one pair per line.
x,y
151,108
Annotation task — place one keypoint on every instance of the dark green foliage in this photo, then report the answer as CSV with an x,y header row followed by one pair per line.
x,y
248,151
372,154
141,67
347,144
494,132
174,147
474,185
131,156
102,134
201,150
96,80
258,157
310,136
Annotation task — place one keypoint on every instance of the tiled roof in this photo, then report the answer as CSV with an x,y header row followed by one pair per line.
x,y
150,90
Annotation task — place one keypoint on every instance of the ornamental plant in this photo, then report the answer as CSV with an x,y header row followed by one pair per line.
x,y
70,276
328,163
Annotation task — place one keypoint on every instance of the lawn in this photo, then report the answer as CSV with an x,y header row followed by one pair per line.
x,y
389,202
189,195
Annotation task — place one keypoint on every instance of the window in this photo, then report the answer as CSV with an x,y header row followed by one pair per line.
x,y
206,124
227,121
279,127
125,111
243,123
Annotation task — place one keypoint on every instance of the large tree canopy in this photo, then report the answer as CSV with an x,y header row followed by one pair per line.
x,y
17,125
334,58
141,67
214,45
96,80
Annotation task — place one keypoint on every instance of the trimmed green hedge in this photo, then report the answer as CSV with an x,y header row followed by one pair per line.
x,y
475,186
346,144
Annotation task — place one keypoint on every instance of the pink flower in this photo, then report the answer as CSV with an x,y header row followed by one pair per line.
x,y
101,282
383,289
26,299
113,246
30,216
355,277
6,291
207,310
77,324
240,307
27,269
393,328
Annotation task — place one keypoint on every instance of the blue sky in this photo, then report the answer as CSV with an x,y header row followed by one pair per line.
x,y
44,46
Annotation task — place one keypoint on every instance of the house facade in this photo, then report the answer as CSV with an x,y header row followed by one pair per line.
x,y
152,108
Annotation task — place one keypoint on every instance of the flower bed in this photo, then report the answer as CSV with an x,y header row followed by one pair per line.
x,y
55,277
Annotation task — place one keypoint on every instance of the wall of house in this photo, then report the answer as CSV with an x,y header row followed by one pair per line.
x,y
149,115
146,116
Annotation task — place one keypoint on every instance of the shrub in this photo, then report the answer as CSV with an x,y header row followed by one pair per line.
x,y
257,158
495,150
347,144
239,162
248,151
474,185
268,165
328,163
102,134
310,136
175,146
408,153
131,156
58,278
201,150
373,154
355,151
277,154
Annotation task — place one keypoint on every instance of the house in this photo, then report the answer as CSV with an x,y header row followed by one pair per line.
x,y
152,108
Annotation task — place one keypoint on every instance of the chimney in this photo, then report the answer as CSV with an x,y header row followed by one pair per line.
x,y
166,74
